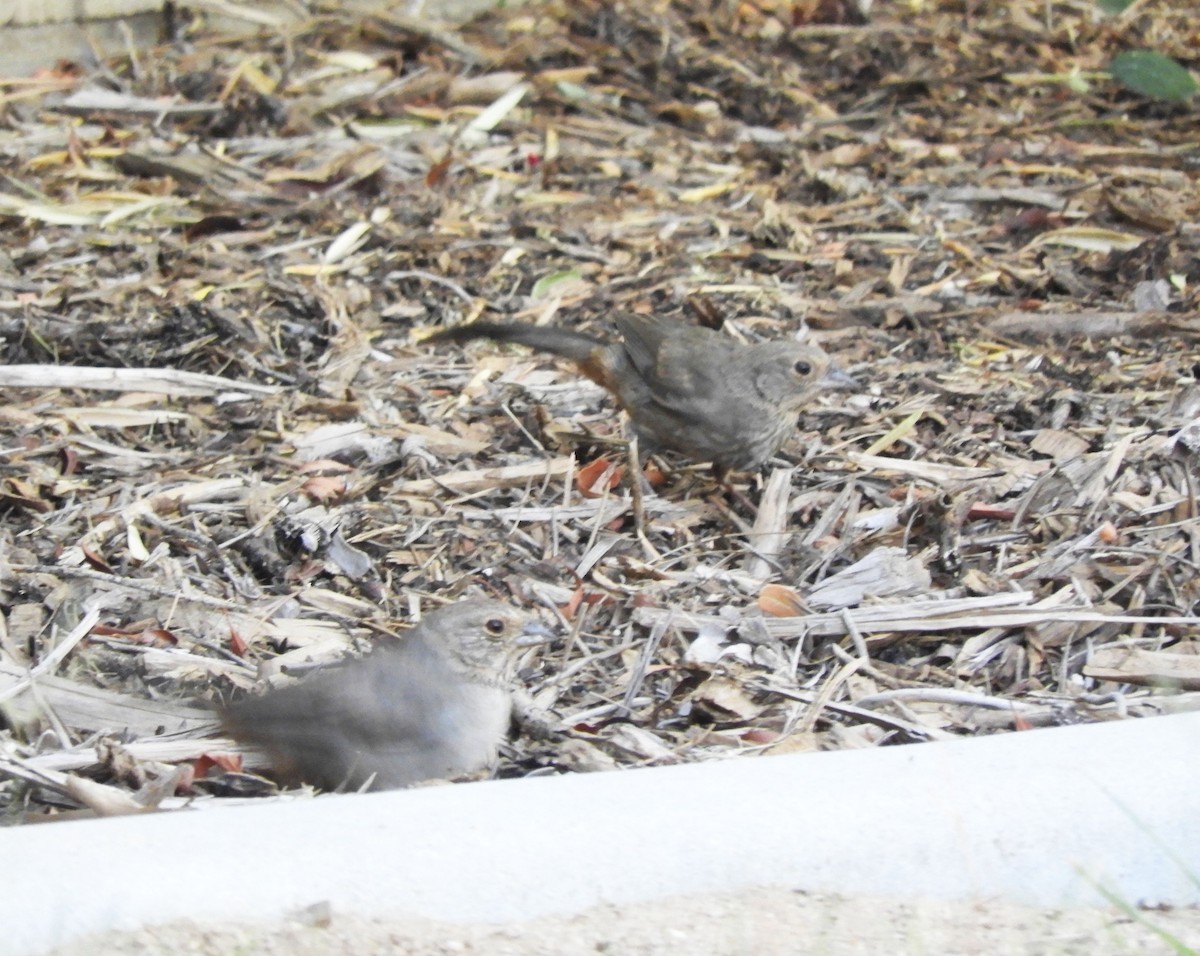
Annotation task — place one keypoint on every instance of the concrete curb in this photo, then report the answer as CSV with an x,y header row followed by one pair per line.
x,y
1034,818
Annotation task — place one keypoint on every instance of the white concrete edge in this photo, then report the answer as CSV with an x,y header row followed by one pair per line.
x,y
1036,818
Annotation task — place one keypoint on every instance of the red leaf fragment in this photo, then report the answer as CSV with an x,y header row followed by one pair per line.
x,y
224,762
980,512
437,172
598,477
237,643
97,562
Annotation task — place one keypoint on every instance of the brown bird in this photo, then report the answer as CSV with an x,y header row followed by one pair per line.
x,y
436,705
686,388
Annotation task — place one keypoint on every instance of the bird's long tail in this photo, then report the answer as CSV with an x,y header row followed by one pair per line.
x,y
579,346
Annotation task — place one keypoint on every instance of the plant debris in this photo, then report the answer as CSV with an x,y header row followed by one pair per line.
x,y
229,455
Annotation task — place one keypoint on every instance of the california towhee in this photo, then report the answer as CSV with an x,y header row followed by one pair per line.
x,y
686,388
436,705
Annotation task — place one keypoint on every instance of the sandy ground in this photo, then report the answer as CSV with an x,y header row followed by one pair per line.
x,y
762,921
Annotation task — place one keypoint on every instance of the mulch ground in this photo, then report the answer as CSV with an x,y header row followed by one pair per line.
x,y
228,454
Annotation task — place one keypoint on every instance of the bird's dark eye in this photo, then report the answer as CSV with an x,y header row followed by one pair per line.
x,y
494,625
802,368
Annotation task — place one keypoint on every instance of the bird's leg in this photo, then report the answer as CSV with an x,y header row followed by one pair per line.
x,y
726,489
737,496
637,488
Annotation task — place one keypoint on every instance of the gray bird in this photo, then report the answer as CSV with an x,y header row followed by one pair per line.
x,y
436,705
687,389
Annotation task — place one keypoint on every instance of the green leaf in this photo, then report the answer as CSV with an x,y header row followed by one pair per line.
x,y
553,282
1153,75
1113,7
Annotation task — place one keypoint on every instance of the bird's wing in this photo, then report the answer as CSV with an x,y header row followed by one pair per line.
x,y
391,691
642,337
678,368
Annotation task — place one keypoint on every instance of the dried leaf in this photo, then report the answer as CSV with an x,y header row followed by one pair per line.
x,y
598,477
778,600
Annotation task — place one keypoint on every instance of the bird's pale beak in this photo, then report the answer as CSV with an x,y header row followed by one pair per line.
x,y
836,378
534,633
